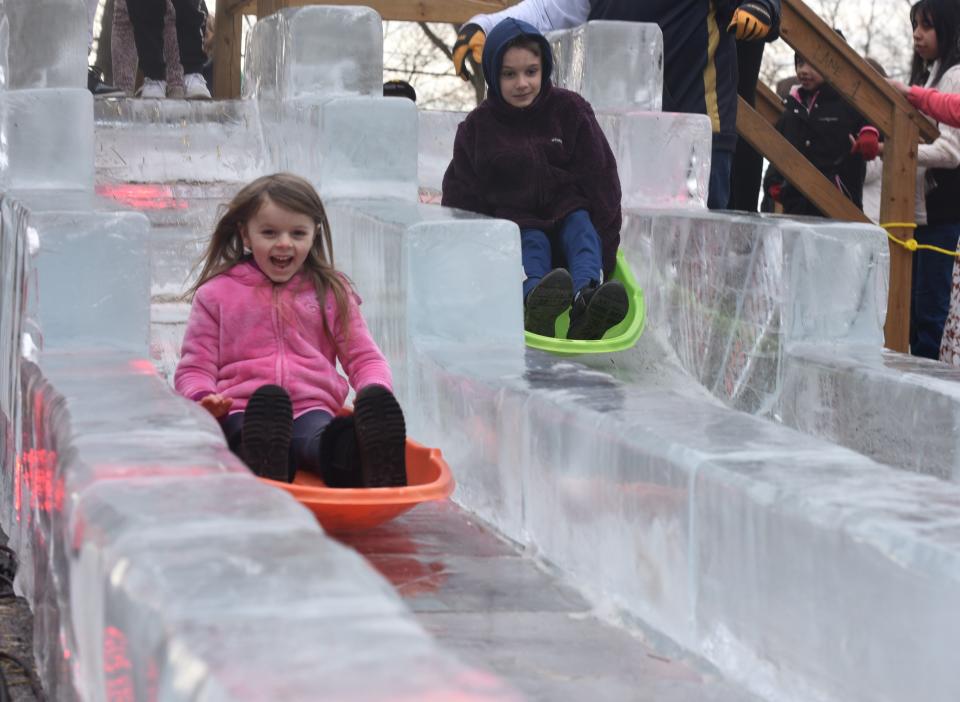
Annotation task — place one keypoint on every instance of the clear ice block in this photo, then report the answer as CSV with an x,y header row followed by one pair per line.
x,y
730,291
46,139
89,279
157,141
44,44
315,52
663,158
613,65
437,132
649,494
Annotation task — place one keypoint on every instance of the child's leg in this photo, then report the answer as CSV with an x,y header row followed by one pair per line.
x,y
596,308
537,257
232,426
381,437
266,433
308,431
546,293
581,249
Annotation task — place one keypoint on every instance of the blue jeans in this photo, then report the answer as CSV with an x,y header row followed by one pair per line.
x,y
304,446
721,163
578,241
930,289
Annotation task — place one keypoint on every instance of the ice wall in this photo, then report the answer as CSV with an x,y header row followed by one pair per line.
x,y
157,566
776,555
784,318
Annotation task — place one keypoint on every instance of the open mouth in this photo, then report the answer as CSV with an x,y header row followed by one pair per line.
x,y
281,262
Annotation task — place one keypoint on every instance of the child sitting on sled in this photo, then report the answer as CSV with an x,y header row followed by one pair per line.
x,y
534,154
269,320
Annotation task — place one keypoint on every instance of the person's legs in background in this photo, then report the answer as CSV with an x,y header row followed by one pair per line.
x,y
931,285
147,17
171,54
747,171
191,19
95,82
721,161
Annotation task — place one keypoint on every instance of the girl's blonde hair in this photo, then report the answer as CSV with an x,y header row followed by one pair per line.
x,y
292,193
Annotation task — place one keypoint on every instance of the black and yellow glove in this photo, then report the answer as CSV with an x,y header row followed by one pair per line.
x,y
470,40
751,22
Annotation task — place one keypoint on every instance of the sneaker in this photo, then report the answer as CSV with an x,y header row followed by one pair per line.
x,y
597,309
381,437
547,301
195,87
266,434
339,454
153,89
100,89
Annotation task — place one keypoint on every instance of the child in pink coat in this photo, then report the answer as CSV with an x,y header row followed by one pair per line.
x,y
943,107
270,318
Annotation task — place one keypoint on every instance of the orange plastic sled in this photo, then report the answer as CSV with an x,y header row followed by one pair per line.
x,y
354,509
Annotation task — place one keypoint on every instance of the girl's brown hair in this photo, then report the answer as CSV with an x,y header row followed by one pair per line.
x,y
292,193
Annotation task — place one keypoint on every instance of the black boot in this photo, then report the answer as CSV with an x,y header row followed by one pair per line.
x,y
597,309
381,437
547,301
266,433
100,89
339,455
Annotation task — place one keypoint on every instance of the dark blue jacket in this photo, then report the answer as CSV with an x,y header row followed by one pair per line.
x,y
534,165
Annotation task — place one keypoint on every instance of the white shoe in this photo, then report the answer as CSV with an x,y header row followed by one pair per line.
x,y
195,87
153,89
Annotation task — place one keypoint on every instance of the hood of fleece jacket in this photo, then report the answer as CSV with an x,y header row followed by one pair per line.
x,y
495,47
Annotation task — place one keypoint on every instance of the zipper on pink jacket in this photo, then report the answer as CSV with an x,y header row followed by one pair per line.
x,y
278,331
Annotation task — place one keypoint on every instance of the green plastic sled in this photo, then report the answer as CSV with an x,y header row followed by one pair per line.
x,y
619,338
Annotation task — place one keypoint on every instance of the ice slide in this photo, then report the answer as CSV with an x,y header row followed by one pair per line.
x,y
670,536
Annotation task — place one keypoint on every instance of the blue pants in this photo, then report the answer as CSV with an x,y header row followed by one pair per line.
x,y
305,446
578,241
930,289
721,164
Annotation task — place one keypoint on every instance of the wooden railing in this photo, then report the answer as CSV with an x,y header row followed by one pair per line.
x,y
801,28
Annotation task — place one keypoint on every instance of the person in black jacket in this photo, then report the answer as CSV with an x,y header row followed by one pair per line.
x,y
534,154
830,133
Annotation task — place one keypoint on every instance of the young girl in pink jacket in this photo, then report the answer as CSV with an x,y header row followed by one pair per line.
x,y
270,318
943,107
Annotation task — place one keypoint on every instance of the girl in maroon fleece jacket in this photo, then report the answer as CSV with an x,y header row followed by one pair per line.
x,y
534,154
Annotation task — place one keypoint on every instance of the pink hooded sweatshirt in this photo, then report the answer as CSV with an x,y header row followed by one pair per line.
x,y
244,331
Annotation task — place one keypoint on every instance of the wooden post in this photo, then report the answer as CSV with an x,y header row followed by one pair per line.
x,y
226,50
265,8
897,205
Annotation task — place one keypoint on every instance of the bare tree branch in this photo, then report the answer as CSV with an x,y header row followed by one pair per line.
x,y
436,41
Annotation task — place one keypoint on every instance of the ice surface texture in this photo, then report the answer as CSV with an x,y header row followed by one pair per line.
x,y
43,44
614,65
763,549
145,543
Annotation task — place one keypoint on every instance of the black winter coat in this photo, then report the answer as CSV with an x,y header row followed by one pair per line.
x,y
820,125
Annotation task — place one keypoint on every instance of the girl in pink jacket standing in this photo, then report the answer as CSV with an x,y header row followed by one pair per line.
x,y
270,318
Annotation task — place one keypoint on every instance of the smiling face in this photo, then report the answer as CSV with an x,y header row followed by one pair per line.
x,y
925,37
809,79
520,76
280,240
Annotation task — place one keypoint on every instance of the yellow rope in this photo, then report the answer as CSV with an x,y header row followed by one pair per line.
x,y
912,244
